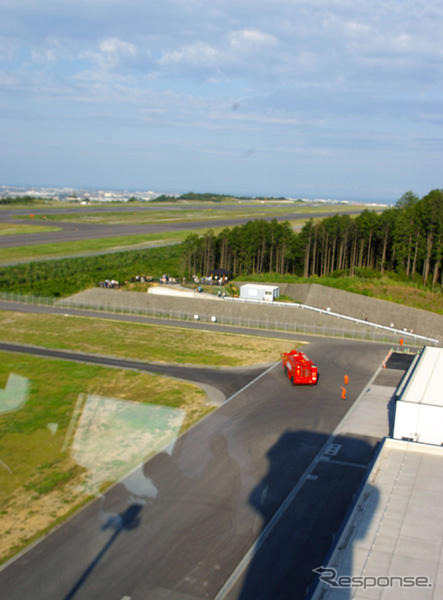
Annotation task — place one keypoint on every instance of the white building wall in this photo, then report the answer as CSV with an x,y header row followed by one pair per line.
x,y
419,423
252,291
426,384
419,410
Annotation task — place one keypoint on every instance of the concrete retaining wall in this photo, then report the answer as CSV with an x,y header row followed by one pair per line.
x,y
378,311
270,315
383,312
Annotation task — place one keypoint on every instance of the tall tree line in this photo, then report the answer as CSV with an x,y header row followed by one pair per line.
x,y
407,238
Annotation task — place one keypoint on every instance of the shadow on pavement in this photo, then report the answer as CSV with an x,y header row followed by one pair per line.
x,y
288,550
127,520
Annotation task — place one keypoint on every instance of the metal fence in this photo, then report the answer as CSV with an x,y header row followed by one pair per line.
x,y
291,326
328,312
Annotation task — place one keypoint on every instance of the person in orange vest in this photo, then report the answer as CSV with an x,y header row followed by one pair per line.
x,y
346,379
343,392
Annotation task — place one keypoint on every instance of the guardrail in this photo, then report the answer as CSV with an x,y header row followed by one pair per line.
x,y
393,330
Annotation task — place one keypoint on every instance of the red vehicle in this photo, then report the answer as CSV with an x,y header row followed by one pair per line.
x,y
299,368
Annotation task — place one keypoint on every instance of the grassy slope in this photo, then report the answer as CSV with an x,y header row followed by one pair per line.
x,y
139,341
70,248
385,288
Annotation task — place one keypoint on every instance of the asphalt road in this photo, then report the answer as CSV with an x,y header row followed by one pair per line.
x,y
220,487
226,380
71,231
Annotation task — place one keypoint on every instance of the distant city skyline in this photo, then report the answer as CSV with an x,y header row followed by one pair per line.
x,y
124,193
308,98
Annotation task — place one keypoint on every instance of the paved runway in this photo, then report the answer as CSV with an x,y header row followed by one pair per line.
x,y
71,231
213,495
103,207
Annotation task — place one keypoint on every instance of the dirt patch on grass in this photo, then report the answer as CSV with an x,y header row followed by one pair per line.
x,y
26,515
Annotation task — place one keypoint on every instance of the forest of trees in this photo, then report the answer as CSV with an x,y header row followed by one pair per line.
x,y
407,239
17,200
209,197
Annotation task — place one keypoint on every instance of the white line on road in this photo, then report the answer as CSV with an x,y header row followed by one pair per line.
x,y
253,381
344,463
165,449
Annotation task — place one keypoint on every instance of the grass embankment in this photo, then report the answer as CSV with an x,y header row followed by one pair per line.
x,y
87,246
75,433
139,341
391,288
15,229
387,288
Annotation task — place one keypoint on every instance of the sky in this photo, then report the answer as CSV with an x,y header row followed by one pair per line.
x,y
319,98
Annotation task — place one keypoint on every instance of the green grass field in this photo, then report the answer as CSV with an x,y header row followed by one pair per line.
x,y
56,446
17,229
203,213
139,341
60,249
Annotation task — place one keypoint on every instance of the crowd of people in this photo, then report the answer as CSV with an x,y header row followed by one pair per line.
x,y
109,283
218,277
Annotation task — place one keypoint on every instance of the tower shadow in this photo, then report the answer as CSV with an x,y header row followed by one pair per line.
x,y
297,537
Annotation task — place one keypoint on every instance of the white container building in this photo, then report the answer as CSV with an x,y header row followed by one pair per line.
x,y
261,293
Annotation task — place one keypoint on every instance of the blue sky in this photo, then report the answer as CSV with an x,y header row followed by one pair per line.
x,y
317,98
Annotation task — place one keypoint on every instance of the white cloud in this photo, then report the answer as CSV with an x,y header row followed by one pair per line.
x,y
250,39
44,56
263,119
356,28
226,52
403,42
199,53
114,61
115,47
